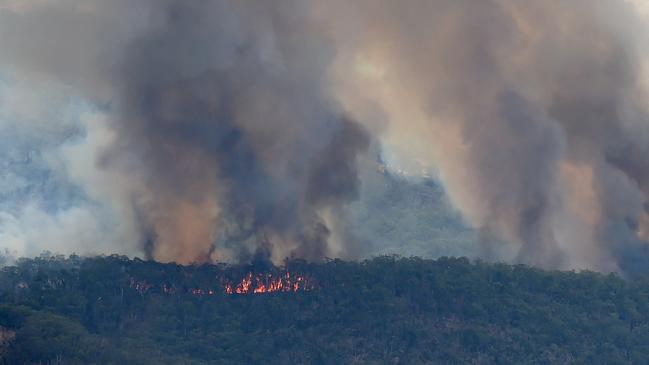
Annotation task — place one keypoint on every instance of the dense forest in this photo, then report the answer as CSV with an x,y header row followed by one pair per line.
x,y
387,310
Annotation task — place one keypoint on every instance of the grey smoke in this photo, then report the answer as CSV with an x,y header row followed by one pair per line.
x,y
535,114
225,102
228,138
237,125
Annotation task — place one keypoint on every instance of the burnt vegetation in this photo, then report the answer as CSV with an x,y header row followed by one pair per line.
x,y
388,310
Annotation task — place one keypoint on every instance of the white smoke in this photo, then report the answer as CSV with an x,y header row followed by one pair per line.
x,y
53,194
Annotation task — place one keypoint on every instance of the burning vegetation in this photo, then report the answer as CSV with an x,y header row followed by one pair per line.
x,y
260,284
251,283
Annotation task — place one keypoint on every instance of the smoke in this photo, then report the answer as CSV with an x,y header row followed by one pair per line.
x,y
533,114
224,108
41,144
236,127
227,144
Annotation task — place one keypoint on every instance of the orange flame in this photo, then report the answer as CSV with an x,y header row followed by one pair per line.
x,y
260,284
250,284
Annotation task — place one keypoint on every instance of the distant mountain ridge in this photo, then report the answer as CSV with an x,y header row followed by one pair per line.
x,y
402,215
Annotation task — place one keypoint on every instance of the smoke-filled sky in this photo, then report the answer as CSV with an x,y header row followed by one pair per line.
x,y
213,130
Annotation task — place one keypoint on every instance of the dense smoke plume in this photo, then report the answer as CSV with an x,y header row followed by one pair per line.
x,y
533,113
237,125
238,145
226,138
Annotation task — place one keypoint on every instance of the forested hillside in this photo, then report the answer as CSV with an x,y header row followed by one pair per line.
x,y
405,216
388,310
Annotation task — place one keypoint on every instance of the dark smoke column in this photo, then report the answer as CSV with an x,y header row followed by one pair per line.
x,y
225,122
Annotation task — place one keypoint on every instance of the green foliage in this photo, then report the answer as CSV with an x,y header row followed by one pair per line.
x,y
387,310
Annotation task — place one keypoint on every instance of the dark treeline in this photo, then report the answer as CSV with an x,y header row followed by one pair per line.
x,y
387,310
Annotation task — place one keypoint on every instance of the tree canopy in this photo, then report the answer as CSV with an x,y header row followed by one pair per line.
x,y
387,310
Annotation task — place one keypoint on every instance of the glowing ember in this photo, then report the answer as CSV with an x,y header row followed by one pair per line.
x,y
260,284
249,284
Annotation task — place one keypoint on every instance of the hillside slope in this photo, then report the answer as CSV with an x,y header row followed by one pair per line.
x,y
397,215
112,310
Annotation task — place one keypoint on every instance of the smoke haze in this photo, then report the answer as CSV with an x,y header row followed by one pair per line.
x,y
230,130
